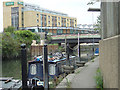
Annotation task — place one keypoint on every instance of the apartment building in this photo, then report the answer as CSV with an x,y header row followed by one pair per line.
x,y
26,16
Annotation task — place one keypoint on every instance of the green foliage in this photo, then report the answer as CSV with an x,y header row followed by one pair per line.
x,y
12,40
25,36
49,38
99,79
9,29
98,25
37,38
10,46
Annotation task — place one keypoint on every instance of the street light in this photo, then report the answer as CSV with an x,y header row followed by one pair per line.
x,y
93,10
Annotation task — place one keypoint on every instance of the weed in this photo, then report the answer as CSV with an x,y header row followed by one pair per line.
x,y
92,60
77,72
99,79
86,65
68,83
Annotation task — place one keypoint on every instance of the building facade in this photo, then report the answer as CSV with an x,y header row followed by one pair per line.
x,y
32,17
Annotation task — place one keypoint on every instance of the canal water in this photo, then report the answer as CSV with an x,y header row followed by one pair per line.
x,y
12,68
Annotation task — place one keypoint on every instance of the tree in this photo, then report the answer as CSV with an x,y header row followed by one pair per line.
x,y
25,36
98,25
10,46
12,40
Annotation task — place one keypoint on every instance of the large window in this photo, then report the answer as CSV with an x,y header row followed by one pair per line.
x,y
15,17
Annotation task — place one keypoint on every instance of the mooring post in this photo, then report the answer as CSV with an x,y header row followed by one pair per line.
x,y
79,47
45,66
24,66
79,53
67,61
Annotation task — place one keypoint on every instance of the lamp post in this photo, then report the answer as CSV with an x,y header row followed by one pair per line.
x,y
93,10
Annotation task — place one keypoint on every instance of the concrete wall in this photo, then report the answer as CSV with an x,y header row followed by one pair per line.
x,y
109,61
110,19
110,44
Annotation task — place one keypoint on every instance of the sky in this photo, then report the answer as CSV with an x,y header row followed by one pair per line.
x,y
74,8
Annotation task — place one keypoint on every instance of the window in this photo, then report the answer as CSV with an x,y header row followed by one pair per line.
x,y
37,21
71,31
33,69
75,25
67,19
48,17
58,18
67,24
37,15
58,23
52,69
49,22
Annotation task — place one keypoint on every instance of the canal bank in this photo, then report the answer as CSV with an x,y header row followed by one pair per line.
x,y
84,77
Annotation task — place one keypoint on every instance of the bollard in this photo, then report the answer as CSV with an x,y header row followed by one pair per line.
x,y
24,66
45,68
79,53
67,60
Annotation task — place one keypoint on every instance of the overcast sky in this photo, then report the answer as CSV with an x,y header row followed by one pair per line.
x,y
74,8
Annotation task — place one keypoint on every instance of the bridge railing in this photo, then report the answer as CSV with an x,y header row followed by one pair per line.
x,y
76,36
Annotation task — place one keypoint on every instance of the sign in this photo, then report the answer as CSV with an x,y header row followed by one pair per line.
x,y
20,3
9,3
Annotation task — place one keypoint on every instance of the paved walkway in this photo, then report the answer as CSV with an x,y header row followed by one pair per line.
x,y
85,78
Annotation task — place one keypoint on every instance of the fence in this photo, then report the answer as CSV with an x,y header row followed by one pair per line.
x,y
37,50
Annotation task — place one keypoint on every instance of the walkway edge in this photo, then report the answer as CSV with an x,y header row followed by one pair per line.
x,y
69,78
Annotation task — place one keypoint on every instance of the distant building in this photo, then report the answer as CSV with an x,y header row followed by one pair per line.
x,y
87,28
32,17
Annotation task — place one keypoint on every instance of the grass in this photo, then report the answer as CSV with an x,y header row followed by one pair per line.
x,y
99,79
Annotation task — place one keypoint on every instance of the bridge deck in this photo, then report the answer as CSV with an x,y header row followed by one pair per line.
x,y
76,36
